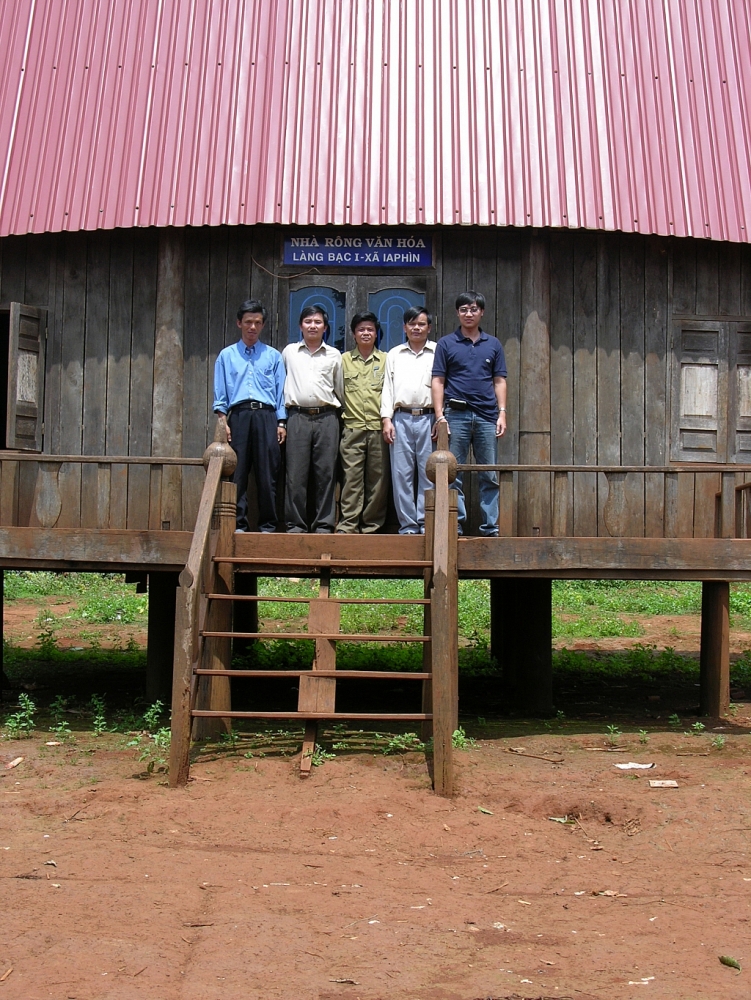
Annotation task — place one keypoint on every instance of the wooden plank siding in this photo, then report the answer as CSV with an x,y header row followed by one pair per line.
x,y
136,319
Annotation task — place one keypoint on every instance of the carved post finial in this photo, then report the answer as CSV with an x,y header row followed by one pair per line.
x,y
441,458
220,448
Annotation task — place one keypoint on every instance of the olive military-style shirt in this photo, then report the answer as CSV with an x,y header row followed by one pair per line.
x,y
363,384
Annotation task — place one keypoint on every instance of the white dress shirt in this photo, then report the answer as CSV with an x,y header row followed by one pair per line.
x,y
313,379
408,378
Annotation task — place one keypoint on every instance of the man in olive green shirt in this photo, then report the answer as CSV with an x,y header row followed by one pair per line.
x,y
363,452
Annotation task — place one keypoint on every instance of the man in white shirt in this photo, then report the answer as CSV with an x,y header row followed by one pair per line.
x,y
313,393
407,419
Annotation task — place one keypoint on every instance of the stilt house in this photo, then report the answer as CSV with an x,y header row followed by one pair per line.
x,y
586,164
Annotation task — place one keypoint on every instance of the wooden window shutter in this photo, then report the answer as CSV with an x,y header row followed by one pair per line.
x,y
699,396
27,330
740,408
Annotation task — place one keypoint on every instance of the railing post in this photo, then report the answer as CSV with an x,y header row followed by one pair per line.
x,y
215,692
441,470
427,619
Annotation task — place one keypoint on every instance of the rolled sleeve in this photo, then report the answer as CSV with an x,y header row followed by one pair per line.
x,y
279,377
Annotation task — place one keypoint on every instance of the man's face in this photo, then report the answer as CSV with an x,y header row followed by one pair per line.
x,y
470,316
417,331
250,328
365,337
313,328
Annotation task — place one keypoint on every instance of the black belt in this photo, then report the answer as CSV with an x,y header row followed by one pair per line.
x,y
251,404
416,411
312,411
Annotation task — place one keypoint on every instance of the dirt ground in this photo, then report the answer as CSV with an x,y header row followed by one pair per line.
x,y
359,882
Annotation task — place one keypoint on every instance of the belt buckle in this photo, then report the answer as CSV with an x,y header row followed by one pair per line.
x,y
416,411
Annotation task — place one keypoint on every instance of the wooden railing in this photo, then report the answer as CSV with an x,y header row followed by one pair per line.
x,y
215,524
636,501
99,491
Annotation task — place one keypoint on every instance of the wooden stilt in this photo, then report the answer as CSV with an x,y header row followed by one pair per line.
x,y
445,644
521,639
714,660
161,635
214,693
245,613
4,682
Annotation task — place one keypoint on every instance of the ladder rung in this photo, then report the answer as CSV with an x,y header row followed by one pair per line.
x,y
324,563
333,636
342,674
364,716
307,600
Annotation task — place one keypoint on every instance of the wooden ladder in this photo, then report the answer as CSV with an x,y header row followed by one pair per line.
x,y
201,698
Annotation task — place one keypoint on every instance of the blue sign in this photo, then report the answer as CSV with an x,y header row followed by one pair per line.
x,y
348,248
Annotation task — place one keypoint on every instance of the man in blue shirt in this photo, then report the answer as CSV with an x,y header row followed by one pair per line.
x,y
249,400
469,393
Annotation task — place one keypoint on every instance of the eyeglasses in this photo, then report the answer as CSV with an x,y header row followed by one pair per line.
x,y
468,310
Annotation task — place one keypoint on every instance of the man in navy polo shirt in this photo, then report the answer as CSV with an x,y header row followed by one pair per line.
x,y
469,393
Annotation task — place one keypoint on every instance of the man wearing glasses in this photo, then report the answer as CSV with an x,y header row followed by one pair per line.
x,y
469,394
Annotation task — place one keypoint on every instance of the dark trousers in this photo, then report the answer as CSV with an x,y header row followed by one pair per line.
x,y
312,442
255,442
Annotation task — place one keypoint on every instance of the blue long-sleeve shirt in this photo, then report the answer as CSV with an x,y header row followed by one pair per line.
x,y
243,373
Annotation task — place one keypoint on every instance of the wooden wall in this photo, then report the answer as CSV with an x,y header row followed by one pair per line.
x,y
137,317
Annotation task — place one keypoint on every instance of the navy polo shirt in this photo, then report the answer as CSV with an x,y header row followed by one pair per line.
x,y
469,369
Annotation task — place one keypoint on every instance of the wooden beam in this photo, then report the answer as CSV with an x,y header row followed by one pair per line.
x,y
99,550
160,649
381,547
613,558
714,660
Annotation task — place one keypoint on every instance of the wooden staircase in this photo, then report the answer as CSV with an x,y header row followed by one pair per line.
x,y
206,597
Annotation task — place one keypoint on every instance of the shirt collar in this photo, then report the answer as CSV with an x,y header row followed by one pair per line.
x,y
246,351
462,336
429,345
323,347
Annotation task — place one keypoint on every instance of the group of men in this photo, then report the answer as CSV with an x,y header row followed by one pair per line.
x,y
374,413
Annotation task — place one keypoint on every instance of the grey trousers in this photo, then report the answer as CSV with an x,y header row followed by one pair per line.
x,y
365,485
409,453
312,443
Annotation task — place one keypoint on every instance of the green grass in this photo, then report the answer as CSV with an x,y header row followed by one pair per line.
x,y
101,598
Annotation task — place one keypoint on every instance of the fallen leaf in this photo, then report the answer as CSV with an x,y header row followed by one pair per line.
x,y
731,962
487,812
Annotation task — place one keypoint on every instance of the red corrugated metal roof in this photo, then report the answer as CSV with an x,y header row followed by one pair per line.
x,y
606,114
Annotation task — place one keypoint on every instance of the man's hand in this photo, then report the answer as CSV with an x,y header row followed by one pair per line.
x,y
500,424
389,431
281,434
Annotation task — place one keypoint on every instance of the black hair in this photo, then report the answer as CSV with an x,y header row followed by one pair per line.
x,y
470,298
366,317
314,311
414,311
252,306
